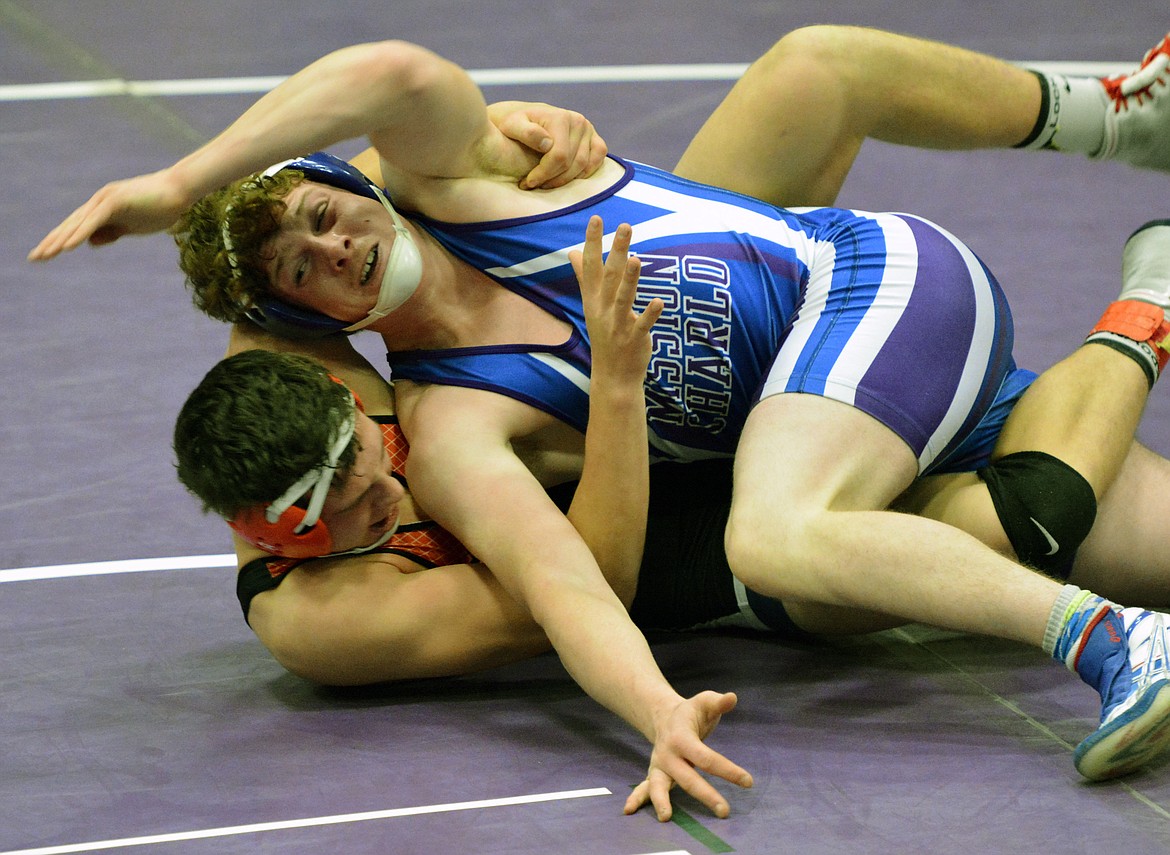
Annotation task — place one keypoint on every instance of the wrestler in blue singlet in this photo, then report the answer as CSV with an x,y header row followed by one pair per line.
x,y
885,312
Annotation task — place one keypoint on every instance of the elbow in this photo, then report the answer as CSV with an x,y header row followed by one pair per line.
x,y
318,649
394,66
304,656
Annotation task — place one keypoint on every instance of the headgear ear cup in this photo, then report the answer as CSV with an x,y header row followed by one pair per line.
x,y
292,322
282,528
280,537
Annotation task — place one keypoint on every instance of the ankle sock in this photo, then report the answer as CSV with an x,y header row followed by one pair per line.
x,y
1137,329
1088,636
1072,115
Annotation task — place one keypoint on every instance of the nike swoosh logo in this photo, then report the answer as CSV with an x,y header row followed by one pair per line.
x,y
1051,540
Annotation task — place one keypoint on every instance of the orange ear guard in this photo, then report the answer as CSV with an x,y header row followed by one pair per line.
x,y
281,537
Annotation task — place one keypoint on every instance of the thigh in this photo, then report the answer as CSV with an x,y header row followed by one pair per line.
x,y
1126,556
961,500
801,455
760,140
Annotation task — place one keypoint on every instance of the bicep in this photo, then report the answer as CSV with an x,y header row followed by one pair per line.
x,y
437,124
463,469
359,620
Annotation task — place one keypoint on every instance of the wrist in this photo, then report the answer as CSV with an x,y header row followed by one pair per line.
x,y
616,385
661,711
184,181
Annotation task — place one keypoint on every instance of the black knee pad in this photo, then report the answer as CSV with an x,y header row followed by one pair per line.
x,y
1045,506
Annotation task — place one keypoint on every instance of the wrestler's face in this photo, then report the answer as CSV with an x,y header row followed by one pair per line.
x,y
331,251
363,504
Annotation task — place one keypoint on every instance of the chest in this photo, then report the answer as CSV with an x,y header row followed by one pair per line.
x,y
506,318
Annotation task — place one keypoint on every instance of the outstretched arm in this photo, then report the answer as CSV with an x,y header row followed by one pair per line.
x,y
423,115
463,468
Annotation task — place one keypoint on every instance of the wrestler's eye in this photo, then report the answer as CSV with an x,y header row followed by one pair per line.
x,y
320,220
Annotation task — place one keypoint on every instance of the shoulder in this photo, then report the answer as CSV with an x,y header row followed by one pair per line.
x,y
429,412
491,195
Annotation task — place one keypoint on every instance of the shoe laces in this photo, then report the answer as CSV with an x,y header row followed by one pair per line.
x,y
1147,636
1140,84
1146,658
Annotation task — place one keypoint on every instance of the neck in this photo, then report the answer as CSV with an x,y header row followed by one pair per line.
x,y
409,512
445,307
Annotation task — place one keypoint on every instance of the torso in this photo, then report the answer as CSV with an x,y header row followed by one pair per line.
x,y
733,272
690,237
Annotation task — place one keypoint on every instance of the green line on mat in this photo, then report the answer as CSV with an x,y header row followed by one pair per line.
x,y
697,830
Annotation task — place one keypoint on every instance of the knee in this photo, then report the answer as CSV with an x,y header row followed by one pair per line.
x,y
1045,506
769,555
818,46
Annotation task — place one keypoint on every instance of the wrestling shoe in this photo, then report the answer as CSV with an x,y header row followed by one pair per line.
x,y
1145,264
1136,324
1137,112
1135,705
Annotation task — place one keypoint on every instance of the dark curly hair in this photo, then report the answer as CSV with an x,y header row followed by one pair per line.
x,y
255,425
224,285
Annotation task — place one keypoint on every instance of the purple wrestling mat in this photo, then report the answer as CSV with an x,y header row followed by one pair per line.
x,y
139,714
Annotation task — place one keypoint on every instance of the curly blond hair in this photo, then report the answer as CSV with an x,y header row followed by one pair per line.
x,y
225,284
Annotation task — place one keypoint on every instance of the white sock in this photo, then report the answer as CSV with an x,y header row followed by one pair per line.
x,y
1072,115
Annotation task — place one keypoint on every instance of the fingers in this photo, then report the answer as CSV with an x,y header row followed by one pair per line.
x,y
650,315
63,237
587,261
660,784
638,797
598,149
572,148
74,230
680,755
617,283
714,763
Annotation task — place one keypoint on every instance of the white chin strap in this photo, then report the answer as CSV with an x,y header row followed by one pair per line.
x,y
317,480
359,549
403,270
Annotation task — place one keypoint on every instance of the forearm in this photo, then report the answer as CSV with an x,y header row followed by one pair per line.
x,y
549,569
502,515
607,656
610,504
612,500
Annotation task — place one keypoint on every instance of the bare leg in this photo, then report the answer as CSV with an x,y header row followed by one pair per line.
x,y
789,130
1127,555
1084,411
811,526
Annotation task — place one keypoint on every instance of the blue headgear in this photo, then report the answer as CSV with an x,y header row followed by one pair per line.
x,y
403,268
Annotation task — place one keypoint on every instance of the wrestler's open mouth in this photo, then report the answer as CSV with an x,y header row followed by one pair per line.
x,y
370,265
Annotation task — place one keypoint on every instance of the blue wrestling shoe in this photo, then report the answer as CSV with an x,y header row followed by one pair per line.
x,y
1135,690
